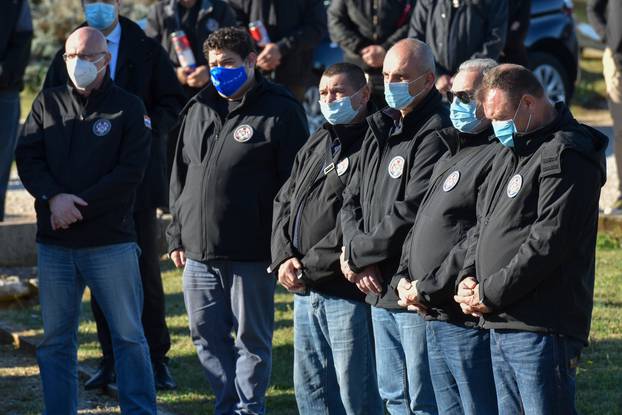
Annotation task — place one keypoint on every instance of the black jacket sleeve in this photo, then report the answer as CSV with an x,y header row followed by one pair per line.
x,y
597,16
121,183
291,134
387,237
564,207
351,216
310,33
31,157
496,31
322,260
418,20
402,31
15,60
402,269
342,29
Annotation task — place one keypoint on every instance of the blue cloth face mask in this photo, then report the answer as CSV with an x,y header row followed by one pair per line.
x,y
339,111
463,116
397,95
228,81
100,15
505,130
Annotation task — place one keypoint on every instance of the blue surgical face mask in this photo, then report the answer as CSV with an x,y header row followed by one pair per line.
x,y
228,81
397,95
339,111
100,15
505,130
464,116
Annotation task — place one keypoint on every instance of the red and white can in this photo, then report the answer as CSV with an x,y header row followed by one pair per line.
x,y
183,49
259,33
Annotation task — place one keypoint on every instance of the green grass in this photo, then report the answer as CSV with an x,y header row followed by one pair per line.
x,y
599,377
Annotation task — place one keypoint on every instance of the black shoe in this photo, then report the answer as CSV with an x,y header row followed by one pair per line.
x,y
162,376
104,376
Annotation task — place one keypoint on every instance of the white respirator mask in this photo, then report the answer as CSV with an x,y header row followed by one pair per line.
x,y
82,72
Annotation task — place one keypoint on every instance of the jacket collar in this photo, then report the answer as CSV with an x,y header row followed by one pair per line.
x,y
527,143
95,96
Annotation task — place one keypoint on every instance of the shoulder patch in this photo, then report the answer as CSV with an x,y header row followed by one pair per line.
x,y
550,161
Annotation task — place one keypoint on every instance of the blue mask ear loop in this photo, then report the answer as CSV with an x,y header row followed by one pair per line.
x,y
528,121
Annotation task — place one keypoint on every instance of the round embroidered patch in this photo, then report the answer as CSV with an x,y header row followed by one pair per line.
x,y
243,133
342,166
396,167
451,181
102,127
514,185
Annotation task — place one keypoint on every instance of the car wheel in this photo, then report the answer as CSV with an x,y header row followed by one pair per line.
x,y
311,105
551,75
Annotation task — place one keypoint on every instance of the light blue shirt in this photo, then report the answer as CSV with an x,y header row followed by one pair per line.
x,y
114,39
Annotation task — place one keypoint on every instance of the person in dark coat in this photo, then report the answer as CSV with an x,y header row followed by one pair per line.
x,y
519,17
140,66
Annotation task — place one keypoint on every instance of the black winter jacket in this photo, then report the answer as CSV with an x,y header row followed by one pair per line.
x,y
143,69
382,201
296,26
435,248
356,24
15,40
227,171
474,29
606,18
533,252
95,148
306,210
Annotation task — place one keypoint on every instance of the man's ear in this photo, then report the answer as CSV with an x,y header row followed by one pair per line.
x,y
529,101
366,94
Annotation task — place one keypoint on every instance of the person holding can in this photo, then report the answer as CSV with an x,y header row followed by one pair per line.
x,y
181,27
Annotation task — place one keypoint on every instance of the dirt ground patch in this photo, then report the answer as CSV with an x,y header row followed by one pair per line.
x,y
20,388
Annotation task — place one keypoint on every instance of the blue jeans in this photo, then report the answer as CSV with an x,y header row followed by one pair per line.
x,y
534,373
226,296
402,362
461,369
334,370
111,273
9,121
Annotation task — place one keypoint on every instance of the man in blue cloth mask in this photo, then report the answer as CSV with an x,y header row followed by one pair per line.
x,y
380,206
434,252
237,142
333,348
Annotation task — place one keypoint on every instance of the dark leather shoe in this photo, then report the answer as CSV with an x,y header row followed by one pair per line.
x,y
162,376
104,376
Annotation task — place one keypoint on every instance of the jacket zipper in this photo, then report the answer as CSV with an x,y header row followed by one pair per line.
x,y
207,159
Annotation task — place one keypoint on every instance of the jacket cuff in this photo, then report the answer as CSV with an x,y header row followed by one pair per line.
x,y
482,297
348,257
396,280
274,266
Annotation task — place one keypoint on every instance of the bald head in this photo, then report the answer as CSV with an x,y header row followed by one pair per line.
x,y
413,53
86,40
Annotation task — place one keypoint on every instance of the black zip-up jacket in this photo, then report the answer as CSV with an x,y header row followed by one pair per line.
x,y
606,18
296,26
164,19
435,248
15,40
96,148
356,24
143,69
535,243
474,29
306,210
227,171
381,202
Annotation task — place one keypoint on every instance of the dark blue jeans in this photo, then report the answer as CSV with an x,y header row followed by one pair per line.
x,y
402,362
334,371
9,122
222,297
461,369
111,273
534,373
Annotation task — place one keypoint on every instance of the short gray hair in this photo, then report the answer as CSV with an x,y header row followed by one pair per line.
x,y
482,65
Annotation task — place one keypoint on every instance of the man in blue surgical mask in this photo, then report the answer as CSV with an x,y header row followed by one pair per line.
x,y
333,357
396,162
139,65
237,142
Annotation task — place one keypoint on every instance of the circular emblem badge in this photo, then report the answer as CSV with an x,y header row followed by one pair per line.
x,y
451,181
396,167
101,127
342,166
212,25
243,133
515,185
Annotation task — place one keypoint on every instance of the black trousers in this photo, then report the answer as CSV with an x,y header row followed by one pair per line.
x,y
153,318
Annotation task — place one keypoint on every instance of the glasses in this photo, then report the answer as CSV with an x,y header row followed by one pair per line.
x,y
83,56
464,96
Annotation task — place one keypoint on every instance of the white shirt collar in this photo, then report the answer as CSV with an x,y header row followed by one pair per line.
x,y
115,35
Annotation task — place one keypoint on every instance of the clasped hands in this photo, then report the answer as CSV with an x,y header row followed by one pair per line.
x,y
64,210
